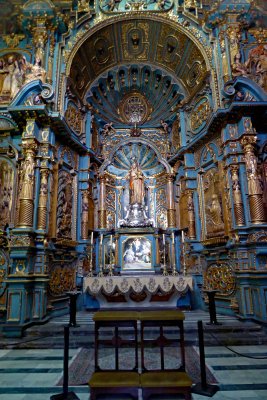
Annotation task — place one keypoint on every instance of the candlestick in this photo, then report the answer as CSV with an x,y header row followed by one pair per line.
x,y
172,237
182,236
100,273
163,238
111,239
92,237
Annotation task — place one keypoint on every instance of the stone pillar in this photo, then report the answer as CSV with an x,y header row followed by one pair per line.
x,y
102,212
255,194
191,216
170,202
42,204
85,215
26,205
237,197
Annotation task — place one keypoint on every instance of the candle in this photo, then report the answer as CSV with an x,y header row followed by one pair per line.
x,y
111,240
182,236
92,237
101,238
172,237
163,238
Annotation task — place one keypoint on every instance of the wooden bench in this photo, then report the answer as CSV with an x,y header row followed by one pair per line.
x,y
116,381
163,381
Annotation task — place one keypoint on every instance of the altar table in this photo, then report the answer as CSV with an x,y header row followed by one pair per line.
x,y
127,291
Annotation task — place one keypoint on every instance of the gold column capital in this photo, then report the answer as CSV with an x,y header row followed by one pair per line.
x,y
248,142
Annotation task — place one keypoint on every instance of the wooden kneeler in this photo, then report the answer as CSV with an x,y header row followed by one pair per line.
x,y
164,381
116,381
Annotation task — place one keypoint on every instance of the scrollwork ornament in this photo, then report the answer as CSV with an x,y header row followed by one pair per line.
x,y
47,94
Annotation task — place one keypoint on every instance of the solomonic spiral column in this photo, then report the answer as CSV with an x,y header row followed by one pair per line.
x,y
170,202
254,183
102,212
237,197
42,204
27,188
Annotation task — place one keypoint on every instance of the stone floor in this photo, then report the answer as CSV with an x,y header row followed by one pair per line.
x,y
236,353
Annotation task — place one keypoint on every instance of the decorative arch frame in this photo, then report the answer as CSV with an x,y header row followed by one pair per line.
x,y
146,16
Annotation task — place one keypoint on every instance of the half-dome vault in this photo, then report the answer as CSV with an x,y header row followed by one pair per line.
x,y
154,59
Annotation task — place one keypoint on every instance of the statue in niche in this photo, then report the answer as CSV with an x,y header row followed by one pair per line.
x,y
136,183
28,177
136,211
13,79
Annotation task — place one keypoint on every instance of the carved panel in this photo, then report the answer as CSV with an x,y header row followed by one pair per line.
x,y
6,192
64,205
62,279
161,211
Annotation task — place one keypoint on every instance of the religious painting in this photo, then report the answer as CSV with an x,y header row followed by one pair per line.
x,y
6,192
137,253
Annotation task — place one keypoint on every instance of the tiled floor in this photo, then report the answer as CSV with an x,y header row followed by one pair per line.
x,y
32,373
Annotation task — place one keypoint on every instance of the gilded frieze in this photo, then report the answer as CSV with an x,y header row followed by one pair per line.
x,y
120,6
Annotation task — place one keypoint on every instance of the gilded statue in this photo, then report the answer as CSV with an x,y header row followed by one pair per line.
x,y
215,210
136,183
28,178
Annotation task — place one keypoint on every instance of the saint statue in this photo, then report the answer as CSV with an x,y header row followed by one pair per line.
x,y
136,183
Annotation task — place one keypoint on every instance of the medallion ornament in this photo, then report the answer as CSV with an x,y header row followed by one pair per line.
x,y
220,277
